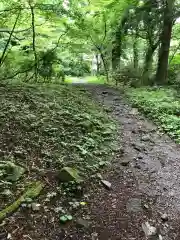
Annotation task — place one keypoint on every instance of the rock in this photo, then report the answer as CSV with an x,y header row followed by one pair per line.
x,y
146,206
134,111
134,205
106,184
14,172
68,174
35,206
164,217
125,162
82,223
9,236
99,176
104,92
139,146
7,193
151,232
145,138
23,205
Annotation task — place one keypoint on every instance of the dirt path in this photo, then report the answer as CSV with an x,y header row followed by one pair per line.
x,y
145,179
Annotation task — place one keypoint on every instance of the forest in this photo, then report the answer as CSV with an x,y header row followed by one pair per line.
x,y
89,101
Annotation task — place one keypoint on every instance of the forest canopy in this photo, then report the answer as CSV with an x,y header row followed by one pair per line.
x,y
138,40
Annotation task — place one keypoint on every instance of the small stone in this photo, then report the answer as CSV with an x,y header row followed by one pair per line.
x,y
82,223
138,146
9,236
106,184
68,174
164,217
134,111
145,138
149,230
104,92
23,205
35,206
99,176
6,193
146,206
125,162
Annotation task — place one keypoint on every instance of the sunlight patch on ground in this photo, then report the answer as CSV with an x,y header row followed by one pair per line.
x,y
83,80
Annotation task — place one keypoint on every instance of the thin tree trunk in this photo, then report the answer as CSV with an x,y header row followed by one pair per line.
x,y
135,50
147,65
98,66
117,43
34,42
162,69
135,53
9,39
105,66
117,51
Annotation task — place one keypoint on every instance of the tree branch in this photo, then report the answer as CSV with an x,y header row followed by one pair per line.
x,y
9,39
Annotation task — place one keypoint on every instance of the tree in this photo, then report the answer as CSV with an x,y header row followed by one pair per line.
x,y
165,38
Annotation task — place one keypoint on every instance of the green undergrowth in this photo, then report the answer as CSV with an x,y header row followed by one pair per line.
x,y
160,104
50,127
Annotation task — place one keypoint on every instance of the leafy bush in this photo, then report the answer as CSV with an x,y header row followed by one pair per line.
x,y
128,76
160,104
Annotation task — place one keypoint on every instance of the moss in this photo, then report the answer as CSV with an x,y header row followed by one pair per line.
x,y
33,191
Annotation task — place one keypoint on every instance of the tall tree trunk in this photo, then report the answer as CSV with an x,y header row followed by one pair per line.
x,y
162,69
117,43
148,62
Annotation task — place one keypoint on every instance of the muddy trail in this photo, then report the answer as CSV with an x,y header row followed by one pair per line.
x,y
145,178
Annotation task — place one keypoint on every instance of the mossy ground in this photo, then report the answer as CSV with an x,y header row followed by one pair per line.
x,y
45,128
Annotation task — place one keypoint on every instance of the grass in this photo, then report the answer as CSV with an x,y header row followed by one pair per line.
x,y
160,104
44,128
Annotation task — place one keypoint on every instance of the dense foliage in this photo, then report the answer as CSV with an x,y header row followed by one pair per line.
x,y
45,39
